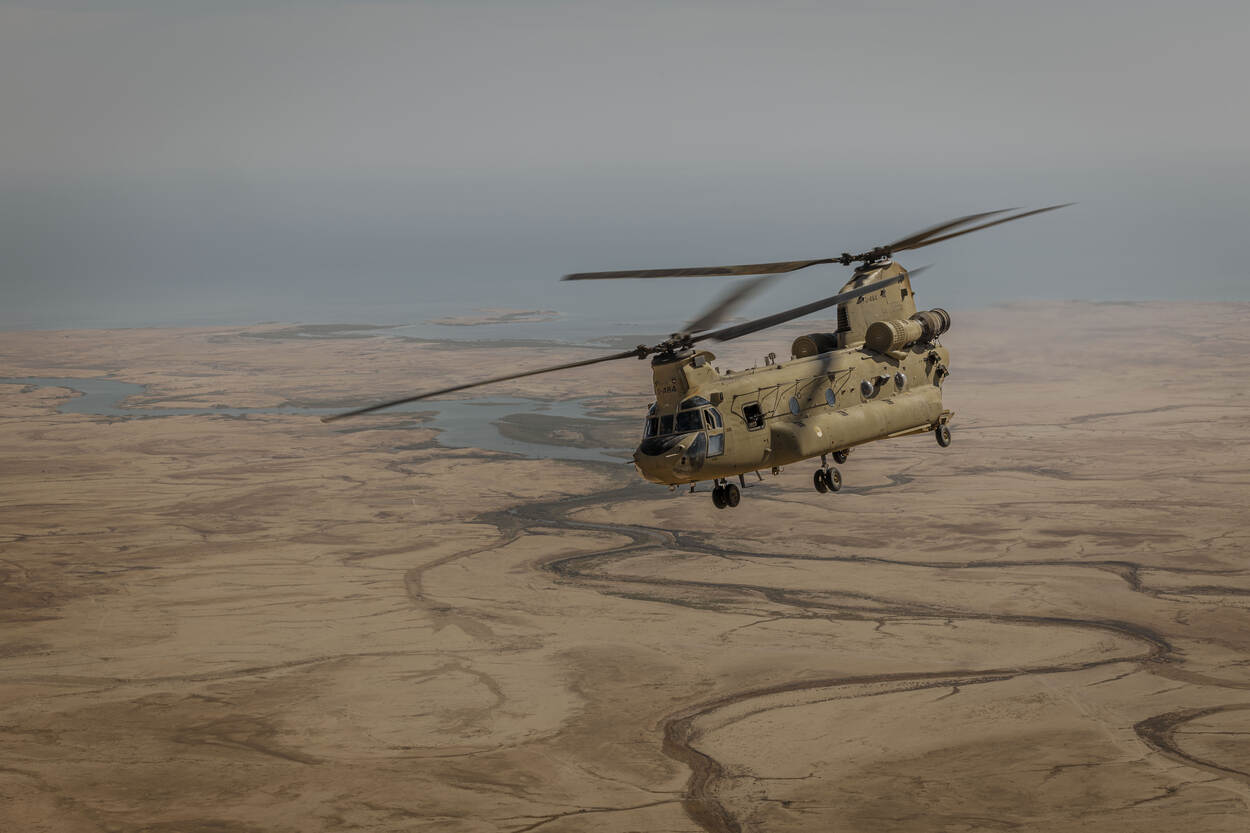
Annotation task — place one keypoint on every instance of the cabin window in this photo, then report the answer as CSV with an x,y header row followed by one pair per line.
x,y
753,415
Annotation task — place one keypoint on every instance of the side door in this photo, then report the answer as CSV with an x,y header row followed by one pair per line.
x,y
715,427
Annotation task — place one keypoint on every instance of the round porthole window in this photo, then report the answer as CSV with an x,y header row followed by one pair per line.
x,y
900,380
794,406
831,398
866,388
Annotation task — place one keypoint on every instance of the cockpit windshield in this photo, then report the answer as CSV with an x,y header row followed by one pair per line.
x,y
689,421
683,422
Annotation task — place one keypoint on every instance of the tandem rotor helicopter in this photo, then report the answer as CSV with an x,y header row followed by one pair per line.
x,y
877,376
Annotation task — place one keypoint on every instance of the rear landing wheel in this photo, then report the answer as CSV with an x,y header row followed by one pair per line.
x,y
839,457
943,434
732,496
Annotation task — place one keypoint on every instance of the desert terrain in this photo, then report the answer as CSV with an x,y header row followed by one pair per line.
x,y
244,622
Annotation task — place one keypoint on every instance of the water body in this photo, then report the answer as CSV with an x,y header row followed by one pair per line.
x,y
572,334
462,423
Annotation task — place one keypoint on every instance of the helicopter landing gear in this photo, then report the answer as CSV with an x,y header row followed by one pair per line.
x,y
726,495
943,435
839,457
827,480
833,479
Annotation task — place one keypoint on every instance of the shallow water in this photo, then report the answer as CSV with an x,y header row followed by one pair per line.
x,y
462,423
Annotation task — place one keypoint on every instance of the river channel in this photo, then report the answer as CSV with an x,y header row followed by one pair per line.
x,y
462,423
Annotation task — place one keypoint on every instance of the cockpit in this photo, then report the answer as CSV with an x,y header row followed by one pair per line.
x,y
663,431
694,414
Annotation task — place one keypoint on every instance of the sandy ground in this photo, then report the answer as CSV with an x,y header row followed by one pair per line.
x,y
227,625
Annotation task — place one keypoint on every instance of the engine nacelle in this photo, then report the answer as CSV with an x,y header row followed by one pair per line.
x,y
935,322
889,336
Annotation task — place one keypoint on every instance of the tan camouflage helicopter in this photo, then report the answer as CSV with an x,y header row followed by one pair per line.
x,y
878,376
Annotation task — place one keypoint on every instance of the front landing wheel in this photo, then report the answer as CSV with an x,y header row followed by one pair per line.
x,y
732,496
818,480
718,497
833,479
943,434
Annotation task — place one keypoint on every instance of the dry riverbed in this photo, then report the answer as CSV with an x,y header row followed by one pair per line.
x,y
236,624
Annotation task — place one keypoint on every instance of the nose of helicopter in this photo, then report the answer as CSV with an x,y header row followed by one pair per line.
x,y
656,461
669,459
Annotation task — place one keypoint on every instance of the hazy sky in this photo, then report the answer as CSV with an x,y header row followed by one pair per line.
x,y
165,161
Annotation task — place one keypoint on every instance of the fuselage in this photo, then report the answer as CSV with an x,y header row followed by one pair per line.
x,y
707,424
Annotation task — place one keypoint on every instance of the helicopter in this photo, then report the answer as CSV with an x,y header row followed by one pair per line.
x,y
878,376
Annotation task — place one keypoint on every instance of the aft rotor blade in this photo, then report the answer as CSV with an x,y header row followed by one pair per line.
x,y
702,271
637,352
736,296
739,330
933,240
915,238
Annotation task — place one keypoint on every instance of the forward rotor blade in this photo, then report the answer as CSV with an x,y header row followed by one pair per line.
x,y
637,352
933,240
736,295
912,241
739,330
702,271
917,237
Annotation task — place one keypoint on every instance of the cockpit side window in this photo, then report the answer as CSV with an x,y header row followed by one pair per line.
x,y
653,427
715,436
715,445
